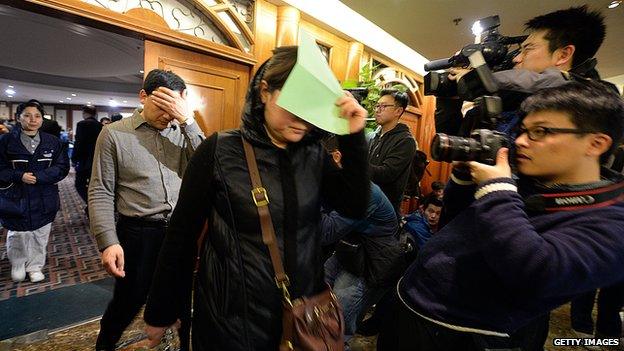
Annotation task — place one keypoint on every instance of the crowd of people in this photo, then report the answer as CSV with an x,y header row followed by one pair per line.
x,y
479,265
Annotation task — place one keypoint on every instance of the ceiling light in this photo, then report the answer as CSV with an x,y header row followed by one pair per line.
x,y
10,96
61,101
476,28
614,4
112,103
125,101
88,102
141,71
10,91
73,94
68,98
10,86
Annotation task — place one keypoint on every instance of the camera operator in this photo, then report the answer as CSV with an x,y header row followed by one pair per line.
x,y
561,41
489,278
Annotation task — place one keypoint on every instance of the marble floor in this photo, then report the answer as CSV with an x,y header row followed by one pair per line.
x,y
82,338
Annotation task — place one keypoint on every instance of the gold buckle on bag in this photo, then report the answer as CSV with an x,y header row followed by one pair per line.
x,y
262,199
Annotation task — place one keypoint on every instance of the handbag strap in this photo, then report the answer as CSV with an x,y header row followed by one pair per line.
x,y
261,199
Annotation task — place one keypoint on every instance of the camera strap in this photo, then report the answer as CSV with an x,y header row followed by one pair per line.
x,y
576,200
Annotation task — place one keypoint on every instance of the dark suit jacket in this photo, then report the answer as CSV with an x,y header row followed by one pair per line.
x,y
87,132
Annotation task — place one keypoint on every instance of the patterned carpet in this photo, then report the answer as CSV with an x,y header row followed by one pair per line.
x,y
73,257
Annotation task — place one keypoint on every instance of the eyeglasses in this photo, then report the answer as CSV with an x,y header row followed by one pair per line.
x,y
538,133
383,107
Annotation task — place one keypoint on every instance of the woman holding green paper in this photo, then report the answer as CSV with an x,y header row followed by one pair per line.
x,y
237,305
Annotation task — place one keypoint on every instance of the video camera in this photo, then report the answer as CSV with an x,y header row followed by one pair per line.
x,y
495,50
491,54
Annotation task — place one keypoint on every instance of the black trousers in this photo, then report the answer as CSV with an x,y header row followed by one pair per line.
x,y
404,330
608,322
81,183
141,242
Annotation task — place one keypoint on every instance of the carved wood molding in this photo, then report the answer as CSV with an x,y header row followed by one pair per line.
x,y
146,28
197,68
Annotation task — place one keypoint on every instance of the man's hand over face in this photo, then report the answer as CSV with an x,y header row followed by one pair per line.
x,y
172,102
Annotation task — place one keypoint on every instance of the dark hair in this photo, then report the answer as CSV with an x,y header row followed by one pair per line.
x,y
400,98
437,185
431,200
29,103
574,26
116,117
591,105
274,71
89,110
159,78
279,66
105,119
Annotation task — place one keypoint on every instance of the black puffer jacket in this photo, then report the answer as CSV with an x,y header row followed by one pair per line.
x,y
237,305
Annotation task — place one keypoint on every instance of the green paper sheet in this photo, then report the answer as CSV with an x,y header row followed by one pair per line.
x,y
311,89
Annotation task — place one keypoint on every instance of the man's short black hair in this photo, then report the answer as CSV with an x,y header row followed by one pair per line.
x,y
30,103
431,200
89,110
591,105
574,26
159,78
437,185
105,119
116,117
400,98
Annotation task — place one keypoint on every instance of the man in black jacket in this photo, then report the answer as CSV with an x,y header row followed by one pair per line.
x,y
392,148
87,132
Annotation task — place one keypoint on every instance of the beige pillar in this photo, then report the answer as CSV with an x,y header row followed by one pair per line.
x,y
356,50
287,25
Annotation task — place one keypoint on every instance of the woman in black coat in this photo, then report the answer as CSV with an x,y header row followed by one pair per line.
x,y
237,305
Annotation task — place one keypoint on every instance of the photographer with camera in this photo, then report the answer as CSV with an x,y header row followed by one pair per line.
x,y
560,47
517,250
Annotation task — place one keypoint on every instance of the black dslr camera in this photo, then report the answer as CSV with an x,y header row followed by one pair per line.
x,y
482,144
495,50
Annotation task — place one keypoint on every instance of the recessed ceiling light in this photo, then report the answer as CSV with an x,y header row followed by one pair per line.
x,y
68,98
10,96
141,71
10,91
73,94
125,101
10,86
61,101
112,103
614,4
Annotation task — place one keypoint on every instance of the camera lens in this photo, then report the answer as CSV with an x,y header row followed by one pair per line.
x,y
450,148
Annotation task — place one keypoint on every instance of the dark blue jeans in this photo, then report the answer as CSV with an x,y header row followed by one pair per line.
x,y
352,293
608,322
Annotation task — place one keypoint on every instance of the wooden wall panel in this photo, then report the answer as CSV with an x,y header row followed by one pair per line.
x,y
219,85
339,53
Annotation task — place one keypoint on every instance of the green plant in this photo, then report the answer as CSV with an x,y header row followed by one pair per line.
x,y
367,81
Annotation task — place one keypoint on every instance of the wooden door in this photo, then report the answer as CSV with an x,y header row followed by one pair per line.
x,y
216,86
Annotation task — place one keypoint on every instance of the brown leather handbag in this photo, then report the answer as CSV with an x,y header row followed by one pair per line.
x,y
309,323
